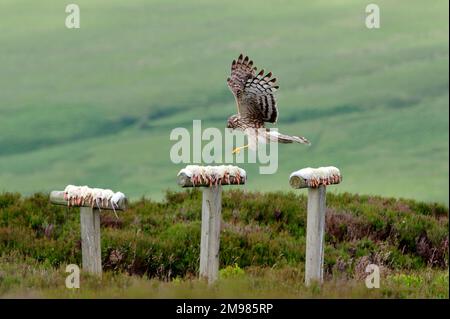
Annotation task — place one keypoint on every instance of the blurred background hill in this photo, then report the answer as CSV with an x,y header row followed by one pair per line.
x,y
96,105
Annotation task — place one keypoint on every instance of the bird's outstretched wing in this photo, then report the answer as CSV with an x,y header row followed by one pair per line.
x,y
253,92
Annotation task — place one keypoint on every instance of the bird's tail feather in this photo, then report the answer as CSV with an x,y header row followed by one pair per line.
x,y
285,139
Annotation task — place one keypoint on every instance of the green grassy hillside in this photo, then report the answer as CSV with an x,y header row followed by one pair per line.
x,y
96,105
262,243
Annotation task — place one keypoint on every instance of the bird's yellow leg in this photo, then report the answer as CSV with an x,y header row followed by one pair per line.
x,y
237,150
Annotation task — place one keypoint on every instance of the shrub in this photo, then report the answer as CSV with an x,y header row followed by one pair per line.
x,y
162,239
231,271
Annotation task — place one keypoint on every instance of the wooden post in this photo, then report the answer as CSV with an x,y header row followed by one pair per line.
x,y
90,230
90,240
315,233
315,180
211,180
210,233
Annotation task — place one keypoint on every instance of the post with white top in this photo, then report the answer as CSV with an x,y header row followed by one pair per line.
x,y
91,202
316,180
211,179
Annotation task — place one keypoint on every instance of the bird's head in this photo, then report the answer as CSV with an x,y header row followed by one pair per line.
x,y
233,121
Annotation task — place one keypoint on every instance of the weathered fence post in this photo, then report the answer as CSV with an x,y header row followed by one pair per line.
x,y
315,180
90,240
90,227
211,178
210,233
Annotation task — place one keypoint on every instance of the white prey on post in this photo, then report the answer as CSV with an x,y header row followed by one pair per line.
x,y
207,176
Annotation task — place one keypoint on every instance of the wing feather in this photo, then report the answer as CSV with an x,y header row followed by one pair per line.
x,y
254,93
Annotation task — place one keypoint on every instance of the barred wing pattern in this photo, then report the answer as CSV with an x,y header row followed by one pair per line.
x,y
253,92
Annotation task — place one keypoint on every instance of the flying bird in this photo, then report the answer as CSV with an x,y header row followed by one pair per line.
x,y
255,101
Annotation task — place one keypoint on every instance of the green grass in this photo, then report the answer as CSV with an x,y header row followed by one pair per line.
x,y
21,278
96,105
153,249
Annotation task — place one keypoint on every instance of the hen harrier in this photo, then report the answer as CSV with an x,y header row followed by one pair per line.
x,y
255,104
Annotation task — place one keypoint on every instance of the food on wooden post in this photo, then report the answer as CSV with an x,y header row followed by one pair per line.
x,y
84,195
314,177
214,175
